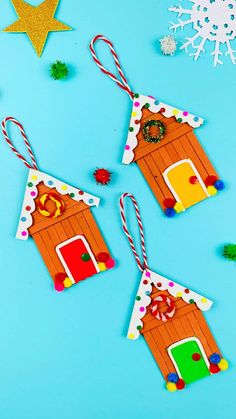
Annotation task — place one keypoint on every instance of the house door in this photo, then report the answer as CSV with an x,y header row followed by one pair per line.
x,y
185,183
189,359
77,258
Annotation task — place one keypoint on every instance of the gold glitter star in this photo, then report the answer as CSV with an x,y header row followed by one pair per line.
x,y
36,22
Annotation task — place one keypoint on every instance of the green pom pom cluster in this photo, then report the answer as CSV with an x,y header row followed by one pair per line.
x,y
229,252
59,70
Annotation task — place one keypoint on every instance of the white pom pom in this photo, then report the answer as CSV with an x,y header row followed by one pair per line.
x,y
168,45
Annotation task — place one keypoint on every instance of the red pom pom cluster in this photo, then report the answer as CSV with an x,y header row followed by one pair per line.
x,y
102,176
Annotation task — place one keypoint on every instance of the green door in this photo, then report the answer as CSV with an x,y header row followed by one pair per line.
x,y
189,359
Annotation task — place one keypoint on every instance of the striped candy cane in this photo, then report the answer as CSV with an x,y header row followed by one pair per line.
x,y
155,307
141,265
123,83
7,138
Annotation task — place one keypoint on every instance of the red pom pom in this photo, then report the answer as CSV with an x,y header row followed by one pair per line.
x,y
59,286
210,180
214,369
180,384
102,176
169,202
59,277
102,257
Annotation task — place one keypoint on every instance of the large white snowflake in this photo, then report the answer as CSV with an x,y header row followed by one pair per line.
x,y
214,21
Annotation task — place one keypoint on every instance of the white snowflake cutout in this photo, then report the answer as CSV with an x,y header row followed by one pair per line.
x,y
214,21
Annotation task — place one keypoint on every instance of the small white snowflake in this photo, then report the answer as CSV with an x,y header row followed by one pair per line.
x,y
214,21
168,45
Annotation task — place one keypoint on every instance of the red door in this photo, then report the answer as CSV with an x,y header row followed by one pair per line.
x,y
77,258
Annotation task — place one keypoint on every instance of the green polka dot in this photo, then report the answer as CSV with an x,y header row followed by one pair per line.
x,y
147,105
139,327
136,95
72,195
131,129
179,120
191,301
138,298
30,184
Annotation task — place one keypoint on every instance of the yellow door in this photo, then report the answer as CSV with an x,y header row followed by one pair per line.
x,y
185,183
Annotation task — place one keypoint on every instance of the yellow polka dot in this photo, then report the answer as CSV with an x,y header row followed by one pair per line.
x,y
179,294
223,364
67,282
64,187
102,266
131,336
134,113
34,177
178,207
171,387
211,190
203,300
175,111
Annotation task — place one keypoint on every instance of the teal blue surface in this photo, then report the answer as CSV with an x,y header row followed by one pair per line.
x,y
65,356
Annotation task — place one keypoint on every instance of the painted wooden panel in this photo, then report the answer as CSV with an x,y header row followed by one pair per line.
x,y
201,154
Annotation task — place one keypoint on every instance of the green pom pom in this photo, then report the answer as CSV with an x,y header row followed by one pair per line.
x,y
59,70
229,252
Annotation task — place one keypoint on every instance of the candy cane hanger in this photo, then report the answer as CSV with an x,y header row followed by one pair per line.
x,y
123,83
9,142
141,265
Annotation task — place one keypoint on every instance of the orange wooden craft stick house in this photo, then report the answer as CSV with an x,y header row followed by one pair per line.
x,y
162,143
170,317
59,219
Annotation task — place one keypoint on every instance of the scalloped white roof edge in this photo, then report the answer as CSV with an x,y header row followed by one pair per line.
x,y
162,283
31,193
154,106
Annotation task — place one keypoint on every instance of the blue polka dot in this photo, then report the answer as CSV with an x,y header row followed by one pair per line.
x,y
23,219
50,182
196,118
147,293
90,201
156,102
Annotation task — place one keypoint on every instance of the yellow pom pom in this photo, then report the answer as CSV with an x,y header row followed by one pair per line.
x,y
223,364
171,387
67,282
102,266
211,190
178,207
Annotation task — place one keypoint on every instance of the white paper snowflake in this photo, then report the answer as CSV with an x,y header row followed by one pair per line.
x,y
214,21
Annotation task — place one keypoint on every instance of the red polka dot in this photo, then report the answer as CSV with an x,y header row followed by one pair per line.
x,y
169,202
162,110
136,121
186,291
102,257
159,284
180,384
193,180
196,357
210,180
28,208
214,369
145,282
81,192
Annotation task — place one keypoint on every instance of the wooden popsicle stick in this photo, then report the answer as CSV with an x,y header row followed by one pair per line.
x,y
201,154
207,332
151,181
156,354
198,333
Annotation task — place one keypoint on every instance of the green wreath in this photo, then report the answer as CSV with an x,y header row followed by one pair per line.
x,y
146,131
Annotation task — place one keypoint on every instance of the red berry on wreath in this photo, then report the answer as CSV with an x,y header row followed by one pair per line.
x,y
102,176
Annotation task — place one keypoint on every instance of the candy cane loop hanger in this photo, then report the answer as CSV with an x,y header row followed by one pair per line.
x,y
121,83
141,265
9,142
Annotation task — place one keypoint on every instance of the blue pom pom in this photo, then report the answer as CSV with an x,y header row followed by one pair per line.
x,y
170,212
215,358
219,185
172,377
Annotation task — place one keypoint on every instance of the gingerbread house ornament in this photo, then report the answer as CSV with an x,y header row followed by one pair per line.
x,y
170,318
58,217
162,142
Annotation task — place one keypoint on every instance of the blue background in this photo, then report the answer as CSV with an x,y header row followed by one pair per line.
x,y
65,355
